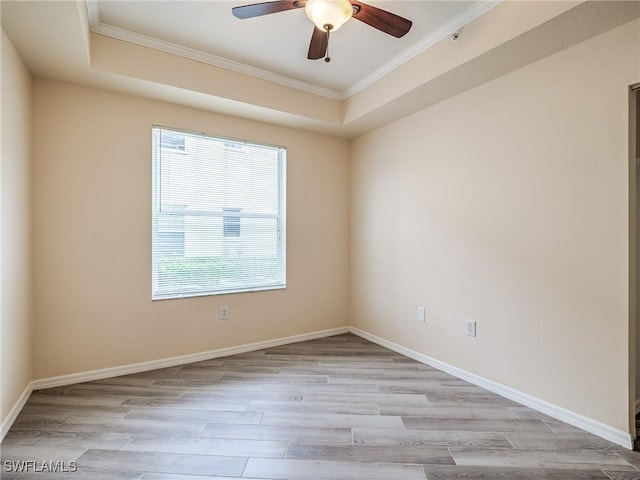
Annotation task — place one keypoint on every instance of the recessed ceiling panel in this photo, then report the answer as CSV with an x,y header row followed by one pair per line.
x,y
278,43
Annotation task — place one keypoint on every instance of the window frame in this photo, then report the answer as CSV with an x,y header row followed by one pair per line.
x,y
280,217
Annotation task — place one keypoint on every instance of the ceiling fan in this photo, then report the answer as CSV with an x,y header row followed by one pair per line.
x,y
328,16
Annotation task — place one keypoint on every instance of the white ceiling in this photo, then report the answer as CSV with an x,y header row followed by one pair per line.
x,y
278,43
198,55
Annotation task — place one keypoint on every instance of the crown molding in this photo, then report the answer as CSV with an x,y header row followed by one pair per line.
x,y
445,30
192,54
442,32
93,12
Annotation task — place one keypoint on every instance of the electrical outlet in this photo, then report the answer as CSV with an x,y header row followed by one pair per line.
x,y
420,314
225,313
470,328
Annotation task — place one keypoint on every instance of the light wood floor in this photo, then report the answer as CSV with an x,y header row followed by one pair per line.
x,y
337,408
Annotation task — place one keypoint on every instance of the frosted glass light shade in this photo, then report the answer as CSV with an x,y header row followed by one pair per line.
x,y
328,14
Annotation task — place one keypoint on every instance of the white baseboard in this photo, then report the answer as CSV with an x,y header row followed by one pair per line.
x,y
153,365
15,411
181,360
592,426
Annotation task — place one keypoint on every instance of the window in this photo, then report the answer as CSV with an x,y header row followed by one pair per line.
x,y
219,223
231,222
172,140
170,232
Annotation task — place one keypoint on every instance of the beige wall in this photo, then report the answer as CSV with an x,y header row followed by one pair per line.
x,y
508,205
92,215
16,329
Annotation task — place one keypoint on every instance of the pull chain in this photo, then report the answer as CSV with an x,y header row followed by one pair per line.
x,y
327,58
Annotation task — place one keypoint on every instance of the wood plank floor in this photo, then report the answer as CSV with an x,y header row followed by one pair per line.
x,y
336,408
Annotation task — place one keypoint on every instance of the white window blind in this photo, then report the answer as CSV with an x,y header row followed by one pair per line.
x,y
219,221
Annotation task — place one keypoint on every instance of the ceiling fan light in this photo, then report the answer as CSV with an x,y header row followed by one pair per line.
x,y
332,13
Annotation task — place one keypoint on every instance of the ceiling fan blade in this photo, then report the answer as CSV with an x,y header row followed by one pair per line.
x,y
265,8
384,21
318,45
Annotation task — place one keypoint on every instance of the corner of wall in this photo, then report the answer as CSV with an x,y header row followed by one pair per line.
x,y
16,279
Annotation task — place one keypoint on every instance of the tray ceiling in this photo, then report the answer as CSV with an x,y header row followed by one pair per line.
x,y
274,47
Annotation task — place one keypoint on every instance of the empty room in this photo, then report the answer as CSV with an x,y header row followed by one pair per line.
x,y
319,240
